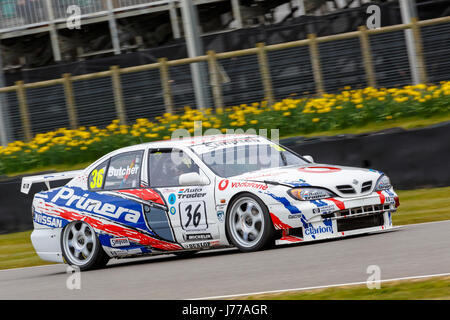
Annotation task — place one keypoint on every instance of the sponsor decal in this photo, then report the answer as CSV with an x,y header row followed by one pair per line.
x,y
277,223
121,172
313,231
220,215
119,242
118,253
172,210
85,203
199,236
271,174
122,253
231,142
48,220
110,228
223,184
189,193
294,216
390,200
319,169
255,185
198,245
324,209
172,198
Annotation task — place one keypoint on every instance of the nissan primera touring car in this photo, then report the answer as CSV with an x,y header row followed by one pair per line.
x,y
183,196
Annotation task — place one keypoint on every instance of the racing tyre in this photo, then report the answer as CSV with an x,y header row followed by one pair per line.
x,y
248,224
81,248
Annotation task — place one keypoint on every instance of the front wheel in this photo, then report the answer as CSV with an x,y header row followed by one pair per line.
x,y
248,224
81,247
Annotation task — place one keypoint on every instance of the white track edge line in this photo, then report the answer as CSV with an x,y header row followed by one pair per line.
x,y
318,287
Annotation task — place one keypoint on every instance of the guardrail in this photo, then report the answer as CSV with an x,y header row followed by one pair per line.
x,y
261,73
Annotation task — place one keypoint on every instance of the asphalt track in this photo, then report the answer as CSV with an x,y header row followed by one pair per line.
x,y
414,250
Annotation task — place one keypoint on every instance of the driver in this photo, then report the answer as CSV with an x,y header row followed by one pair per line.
x,y
173,171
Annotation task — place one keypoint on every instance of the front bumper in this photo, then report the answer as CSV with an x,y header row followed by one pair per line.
x,y
334,217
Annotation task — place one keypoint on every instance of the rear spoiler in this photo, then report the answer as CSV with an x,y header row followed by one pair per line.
x,y
27,182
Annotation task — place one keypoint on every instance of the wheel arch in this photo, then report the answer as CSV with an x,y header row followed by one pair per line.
x,y
100,258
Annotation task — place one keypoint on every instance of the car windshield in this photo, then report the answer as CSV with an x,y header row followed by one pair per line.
x,y
237,160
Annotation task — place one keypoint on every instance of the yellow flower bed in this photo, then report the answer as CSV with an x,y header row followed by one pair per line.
x,y
293,115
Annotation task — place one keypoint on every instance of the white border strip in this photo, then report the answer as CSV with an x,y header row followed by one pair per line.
x,y
319,287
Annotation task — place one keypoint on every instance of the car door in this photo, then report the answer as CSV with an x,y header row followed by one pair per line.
x,y
119,194
191,206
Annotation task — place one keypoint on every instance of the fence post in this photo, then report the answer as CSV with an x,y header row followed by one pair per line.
x,y
367,57
53,31
419,51
70,101
215,80
315,62
165,82
24,115
118,99
265,73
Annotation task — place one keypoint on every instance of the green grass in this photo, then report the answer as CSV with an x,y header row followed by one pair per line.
x,y
16,251
416,206
405,123
423,205
432,288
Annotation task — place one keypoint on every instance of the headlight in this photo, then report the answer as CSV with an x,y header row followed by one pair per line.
x,y
310,193
383,183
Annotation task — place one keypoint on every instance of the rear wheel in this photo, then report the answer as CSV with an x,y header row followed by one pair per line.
x,y
81,247
249,225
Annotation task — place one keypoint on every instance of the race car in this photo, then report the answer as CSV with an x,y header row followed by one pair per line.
x,y
186,195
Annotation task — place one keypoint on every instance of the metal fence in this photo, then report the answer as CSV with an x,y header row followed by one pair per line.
x,y
29,13
362,58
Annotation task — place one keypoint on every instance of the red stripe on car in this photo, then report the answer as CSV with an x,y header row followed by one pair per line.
x,y
382,197
277,223
338,203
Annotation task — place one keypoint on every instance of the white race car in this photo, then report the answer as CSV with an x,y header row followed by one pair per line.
x,y
182,196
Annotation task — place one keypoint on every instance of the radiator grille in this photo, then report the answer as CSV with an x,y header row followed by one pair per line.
x,y
346,189
366,186
361,222
363,210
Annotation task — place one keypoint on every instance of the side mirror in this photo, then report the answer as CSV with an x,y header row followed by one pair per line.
x,y
192,179
309,158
